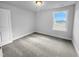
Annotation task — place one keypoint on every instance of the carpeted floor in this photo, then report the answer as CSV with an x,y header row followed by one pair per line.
x,y
1,52
38,45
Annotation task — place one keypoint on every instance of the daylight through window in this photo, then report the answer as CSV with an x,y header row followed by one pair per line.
x,y
60,20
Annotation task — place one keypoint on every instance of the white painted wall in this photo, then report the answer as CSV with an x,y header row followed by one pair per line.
x,y
22,20
76,28
45,23
0,39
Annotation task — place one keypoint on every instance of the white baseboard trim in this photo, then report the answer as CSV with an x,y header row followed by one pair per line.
x,y
5,43
54,36
77,50
8,42
22,36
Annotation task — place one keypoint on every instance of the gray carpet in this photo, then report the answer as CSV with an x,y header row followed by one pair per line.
x,y
38,45
1,52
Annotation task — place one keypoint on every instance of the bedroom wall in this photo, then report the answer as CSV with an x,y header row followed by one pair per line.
x,y
45,23
76,28
22,20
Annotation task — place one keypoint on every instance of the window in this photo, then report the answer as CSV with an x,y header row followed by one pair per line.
x,y
60,20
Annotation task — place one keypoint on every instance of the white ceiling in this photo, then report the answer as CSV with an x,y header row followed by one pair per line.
x,y
47,4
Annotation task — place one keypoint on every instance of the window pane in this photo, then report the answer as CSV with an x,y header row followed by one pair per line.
x,y
60,20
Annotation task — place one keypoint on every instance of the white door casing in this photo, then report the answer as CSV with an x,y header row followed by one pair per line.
x,y
5,26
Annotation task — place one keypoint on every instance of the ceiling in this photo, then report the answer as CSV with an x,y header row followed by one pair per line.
x,y
47,4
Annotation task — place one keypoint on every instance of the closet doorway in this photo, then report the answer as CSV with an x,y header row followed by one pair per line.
x,y
5,26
